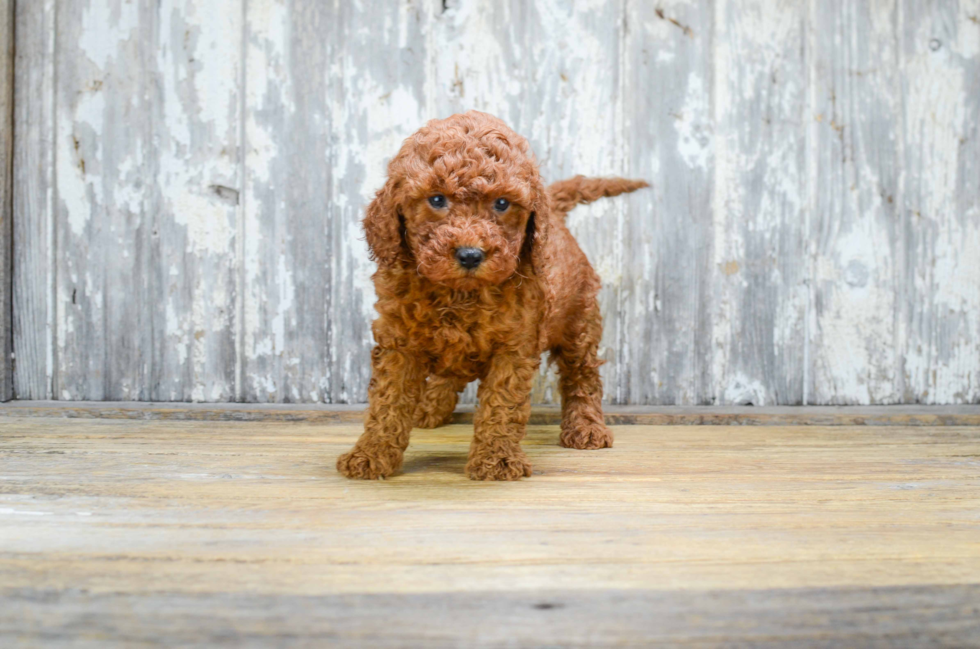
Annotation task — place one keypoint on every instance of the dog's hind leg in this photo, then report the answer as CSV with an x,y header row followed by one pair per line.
x,y
582,424
438,402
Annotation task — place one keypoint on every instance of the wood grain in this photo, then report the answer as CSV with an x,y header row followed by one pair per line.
x,y
759,299
34,240
939,59
819,617
663,319
6,197
190,177
856,223
147,161
126,532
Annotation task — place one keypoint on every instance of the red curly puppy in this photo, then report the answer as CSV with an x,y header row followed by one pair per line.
x,y
477,276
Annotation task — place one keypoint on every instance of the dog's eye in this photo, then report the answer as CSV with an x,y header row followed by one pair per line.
x,y
438,201
501,204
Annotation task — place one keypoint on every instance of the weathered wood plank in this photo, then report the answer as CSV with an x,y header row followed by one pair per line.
x,y
193,215
540,415
290,49
325,112
876,526
6,197
939,52
759,272
188,194
147,165
664,317
145,152
101,146
792,618
855,223
34,243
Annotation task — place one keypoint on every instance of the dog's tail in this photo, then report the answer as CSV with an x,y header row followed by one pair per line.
x,y
566,194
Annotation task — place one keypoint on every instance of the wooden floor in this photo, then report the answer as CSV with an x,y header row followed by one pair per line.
x,y
241,533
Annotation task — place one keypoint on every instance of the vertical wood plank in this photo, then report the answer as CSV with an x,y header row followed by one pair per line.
x,y
855,225
480,61
34,251
759,197
147,166
290,47
6,196
940,288
100,152
192,271
326,110
664,315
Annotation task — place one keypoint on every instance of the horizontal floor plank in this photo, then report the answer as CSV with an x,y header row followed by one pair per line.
x,y
900,616
199,532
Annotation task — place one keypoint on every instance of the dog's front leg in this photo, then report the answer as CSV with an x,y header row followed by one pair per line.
x,y
394,391
501,419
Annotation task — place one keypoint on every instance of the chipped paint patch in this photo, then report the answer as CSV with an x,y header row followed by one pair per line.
x,y
745,391
693,124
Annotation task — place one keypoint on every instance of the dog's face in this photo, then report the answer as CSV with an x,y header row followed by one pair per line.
x,y
466,218
460,203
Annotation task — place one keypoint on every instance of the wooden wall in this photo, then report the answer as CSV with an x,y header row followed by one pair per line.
x,y
190,176
6,196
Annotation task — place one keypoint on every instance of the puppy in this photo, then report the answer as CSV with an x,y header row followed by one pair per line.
x,y
477,276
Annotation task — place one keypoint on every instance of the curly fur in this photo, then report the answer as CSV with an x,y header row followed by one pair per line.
x,y
441,326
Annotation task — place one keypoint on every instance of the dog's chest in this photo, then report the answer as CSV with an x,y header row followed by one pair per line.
x,y
461,339
457,341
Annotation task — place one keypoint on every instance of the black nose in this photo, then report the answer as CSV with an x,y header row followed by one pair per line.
x,y
469,257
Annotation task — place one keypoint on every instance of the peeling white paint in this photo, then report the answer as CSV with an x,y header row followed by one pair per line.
x,y
943,359
857,316
157,169
968,36
743,390
693,123
286,295
79,185
757,204
104,24
473,69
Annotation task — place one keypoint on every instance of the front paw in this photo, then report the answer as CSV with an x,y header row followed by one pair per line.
x,y
586,436
513,466
368,465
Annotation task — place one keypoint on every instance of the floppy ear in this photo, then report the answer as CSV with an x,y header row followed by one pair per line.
x,y
537,231
384,227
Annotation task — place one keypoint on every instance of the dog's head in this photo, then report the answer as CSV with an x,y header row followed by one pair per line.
x,y
463,204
